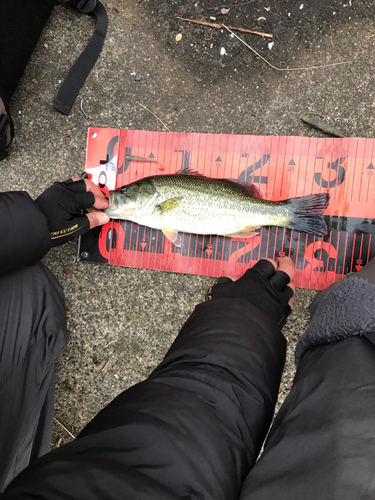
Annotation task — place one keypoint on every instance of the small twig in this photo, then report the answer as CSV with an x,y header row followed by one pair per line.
x,y
83,110
211,35
219,26
104,367
109,343
65,429
282,69
244,30
154,115
203,23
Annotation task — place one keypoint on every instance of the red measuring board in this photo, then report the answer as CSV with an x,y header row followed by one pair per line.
x,y
281,167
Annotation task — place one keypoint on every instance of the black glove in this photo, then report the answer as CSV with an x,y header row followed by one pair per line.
x,y
262,286
62,205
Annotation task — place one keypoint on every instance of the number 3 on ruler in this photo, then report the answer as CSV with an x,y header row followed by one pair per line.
x,y
338,166
316,267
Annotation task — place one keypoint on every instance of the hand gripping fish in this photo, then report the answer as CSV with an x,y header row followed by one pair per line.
x,y
191,203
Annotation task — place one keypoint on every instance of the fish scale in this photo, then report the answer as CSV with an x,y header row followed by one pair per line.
x,y
216,202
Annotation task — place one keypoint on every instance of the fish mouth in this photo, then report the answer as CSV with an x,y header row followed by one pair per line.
x,y
116,210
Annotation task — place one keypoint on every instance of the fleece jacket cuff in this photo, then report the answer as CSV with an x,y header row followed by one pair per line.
x,y
348,310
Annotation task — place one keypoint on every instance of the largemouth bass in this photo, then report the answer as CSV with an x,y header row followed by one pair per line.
x,y
191,203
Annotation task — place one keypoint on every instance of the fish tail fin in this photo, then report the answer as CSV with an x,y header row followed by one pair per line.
x,y
307,214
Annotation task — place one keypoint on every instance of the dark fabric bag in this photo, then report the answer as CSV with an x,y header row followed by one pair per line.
x,y
21,23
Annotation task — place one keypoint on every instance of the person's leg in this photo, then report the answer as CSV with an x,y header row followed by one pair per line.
x,y
32,334
322,443
192,430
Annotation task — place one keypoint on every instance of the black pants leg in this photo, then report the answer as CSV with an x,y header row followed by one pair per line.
x,y
32,334
322,443
192,430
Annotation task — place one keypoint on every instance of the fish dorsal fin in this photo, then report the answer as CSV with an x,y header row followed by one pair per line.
x,y
168,205
190,171
246,187
173,236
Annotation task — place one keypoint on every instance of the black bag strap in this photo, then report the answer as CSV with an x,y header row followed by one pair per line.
x,y
86,61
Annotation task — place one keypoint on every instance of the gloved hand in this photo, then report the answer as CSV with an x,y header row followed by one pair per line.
x,y
62,205
266,285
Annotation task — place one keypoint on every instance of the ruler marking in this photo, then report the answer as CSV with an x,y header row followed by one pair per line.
x,y
290,173
275,242
361,180
282,173
353,250
240,152
361,249
328,256
268,240
291,249
307,164
314,169
371,160
283,241
338,264
197,151
337,171
268,166
369,248
349,156
278,143
299,167
298,247
344,267
354,170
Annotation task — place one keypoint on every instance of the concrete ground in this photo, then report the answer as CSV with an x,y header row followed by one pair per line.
x,y
122,321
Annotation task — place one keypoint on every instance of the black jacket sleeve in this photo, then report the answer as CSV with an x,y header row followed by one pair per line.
x,y
192,430
25,237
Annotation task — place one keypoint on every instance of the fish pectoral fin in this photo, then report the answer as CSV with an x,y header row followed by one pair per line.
x,y
173,236
168,205
246,232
